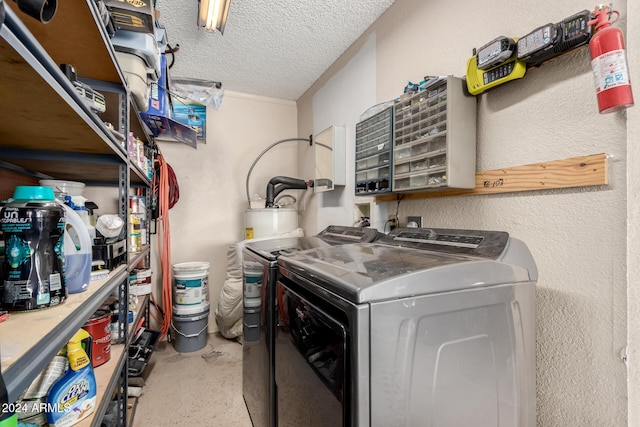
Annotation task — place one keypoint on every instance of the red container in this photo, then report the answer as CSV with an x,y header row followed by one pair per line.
x,y
609,63
99,326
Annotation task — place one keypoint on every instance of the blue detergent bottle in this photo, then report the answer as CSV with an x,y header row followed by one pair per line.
x,y
73,397
77,252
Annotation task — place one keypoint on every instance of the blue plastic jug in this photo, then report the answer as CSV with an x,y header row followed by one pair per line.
x,y
77,253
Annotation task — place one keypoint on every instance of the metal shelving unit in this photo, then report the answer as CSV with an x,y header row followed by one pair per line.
x,y
29,340
48,132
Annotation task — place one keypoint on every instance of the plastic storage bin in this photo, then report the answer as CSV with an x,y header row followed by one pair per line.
x,y
135,71
142,45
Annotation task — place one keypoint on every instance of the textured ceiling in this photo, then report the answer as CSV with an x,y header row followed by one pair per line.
x,y
271,48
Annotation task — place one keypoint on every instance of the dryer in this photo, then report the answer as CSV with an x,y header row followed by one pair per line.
x,y
424,327
260,270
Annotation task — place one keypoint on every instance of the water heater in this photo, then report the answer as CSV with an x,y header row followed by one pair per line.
x,y
269,222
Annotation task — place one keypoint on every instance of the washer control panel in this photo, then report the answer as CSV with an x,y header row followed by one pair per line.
x,y
337,234
482,243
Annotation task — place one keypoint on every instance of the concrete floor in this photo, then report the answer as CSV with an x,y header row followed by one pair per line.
x,y
201,388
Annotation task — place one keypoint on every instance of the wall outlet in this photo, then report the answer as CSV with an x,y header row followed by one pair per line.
x,y
414,219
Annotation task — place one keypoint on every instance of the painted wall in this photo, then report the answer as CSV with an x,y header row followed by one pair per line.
x,y
335,104
578,236
633,219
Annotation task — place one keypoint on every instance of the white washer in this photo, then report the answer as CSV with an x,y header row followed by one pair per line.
x,y
260,270
425,327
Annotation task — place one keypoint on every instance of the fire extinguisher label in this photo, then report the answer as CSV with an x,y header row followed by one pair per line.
x,y
610,70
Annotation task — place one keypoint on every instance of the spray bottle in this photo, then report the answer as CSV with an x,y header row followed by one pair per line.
x,y
73,397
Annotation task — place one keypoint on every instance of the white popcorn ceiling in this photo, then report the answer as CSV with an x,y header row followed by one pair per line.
x,y
271,48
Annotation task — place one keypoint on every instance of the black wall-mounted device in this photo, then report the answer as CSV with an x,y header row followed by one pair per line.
x,y
551,40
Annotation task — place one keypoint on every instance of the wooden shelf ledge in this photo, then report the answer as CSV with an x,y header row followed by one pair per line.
x,y
580,171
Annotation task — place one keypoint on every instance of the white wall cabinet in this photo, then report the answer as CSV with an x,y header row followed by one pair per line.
x,y
329,156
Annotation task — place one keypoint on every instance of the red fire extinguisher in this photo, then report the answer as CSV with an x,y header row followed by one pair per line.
x,y
609,62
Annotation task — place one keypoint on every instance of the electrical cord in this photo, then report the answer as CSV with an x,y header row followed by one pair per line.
x,y
399,199
172,51
391,221
164,244
173,195
174,188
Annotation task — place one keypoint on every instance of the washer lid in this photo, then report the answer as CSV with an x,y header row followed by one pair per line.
x,y
271,249
373,272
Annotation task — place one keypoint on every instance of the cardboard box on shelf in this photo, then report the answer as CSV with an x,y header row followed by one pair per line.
x,y
159,115
192,114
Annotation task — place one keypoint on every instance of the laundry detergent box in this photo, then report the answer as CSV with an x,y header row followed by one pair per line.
x,y
191,114
159,103
159,115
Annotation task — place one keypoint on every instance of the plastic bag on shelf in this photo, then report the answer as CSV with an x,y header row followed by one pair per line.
x,y
109,225
205,92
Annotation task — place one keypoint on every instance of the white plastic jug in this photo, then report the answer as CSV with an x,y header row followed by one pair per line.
x,y
84,215
77,253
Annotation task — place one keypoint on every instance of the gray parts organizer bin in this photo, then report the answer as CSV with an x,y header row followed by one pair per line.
x,y
434,144
374,140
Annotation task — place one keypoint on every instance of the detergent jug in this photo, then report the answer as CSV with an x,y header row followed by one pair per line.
x,y
33,225
77,252
77,236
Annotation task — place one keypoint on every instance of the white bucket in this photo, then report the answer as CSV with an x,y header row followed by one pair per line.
x,y
64,188
190,283
253,281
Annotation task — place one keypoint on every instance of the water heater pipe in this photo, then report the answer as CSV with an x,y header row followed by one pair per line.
x,y
260,156
278,184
